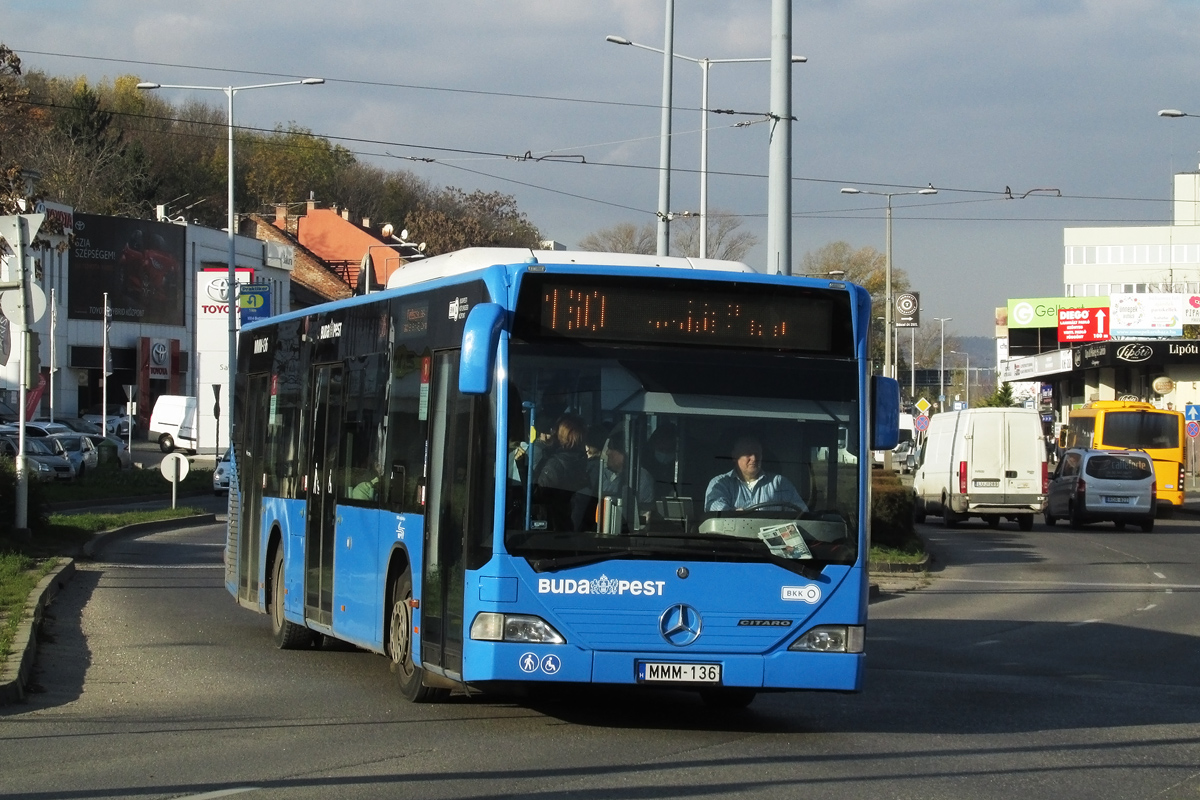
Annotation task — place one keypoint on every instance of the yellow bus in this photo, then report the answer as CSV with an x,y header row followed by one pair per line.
x,y
1128,425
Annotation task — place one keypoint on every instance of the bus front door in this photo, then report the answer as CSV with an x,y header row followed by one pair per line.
x,y
327,411
446,515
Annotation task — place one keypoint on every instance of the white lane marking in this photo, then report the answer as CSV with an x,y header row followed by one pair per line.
x,y
987,641
221,793
1076,584
1160,576
1147,608
1084,622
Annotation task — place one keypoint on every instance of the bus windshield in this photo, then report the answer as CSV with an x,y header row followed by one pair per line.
x,y
1141,430
652,453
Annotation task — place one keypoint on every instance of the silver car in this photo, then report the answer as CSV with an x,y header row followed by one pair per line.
x,y
1103,486
79,450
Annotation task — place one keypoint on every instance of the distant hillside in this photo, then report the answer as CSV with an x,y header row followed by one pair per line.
x,y
982,350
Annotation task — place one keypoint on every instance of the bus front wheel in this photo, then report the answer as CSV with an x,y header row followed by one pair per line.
x,y
409,677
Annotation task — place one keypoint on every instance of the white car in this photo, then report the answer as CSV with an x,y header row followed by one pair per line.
x,y
221,475
116,422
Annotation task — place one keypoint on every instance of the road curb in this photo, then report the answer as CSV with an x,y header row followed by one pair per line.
x,y
15,672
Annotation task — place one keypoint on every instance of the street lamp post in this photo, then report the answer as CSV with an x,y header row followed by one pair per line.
x,y
887,291
231,289
967,378
704,64
942,365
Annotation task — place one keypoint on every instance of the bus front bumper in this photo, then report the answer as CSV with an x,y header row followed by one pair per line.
x,y
507,662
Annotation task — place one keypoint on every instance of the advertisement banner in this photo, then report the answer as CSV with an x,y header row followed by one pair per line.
x,y
1147,315
137,262
908,310
1042,312
1082,325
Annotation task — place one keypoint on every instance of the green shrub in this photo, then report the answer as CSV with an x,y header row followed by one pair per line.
x,y
891,512
8,498
98,485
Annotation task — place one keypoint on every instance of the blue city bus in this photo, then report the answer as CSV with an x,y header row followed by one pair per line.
x,y
505,469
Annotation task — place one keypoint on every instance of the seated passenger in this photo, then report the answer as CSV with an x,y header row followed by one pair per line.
x,y
747,484
608,476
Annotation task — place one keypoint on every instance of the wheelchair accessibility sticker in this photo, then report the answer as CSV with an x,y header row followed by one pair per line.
x,y
530,663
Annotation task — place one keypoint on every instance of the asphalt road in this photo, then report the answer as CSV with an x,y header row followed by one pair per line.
x,y
1054,664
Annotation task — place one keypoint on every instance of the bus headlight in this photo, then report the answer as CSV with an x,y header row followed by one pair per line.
x,y
831,639
523,628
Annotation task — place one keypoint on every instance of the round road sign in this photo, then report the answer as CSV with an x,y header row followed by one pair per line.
x,y
1193,429
172,462
921,423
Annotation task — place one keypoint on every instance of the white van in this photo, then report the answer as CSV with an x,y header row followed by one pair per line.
x,y
173,423
982,462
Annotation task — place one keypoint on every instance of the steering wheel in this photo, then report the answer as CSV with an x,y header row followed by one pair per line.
x,y
783,504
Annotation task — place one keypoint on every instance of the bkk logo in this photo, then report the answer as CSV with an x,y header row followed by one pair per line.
x,y
601,585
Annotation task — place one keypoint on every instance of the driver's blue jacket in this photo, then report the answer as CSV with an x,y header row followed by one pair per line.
x,y
728,491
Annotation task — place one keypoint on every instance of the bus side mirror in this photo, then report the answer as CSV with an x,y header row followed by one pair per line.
x,y
481,333
885,413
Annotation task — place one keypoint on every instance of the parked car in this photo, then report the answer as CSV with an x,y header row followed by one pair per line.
x,y
43,463
1115,486
116,422
79,449
221,475
76,424
42,428
124,458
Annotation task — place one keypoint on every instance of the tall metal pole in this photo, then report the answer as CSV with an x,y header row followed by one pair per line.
x,y
912,364
231,289
664,152
887,296
942,365
779,170
704,64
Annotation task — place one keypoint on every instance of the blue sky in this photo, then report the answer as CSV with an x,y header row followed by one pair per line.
x,y
970,97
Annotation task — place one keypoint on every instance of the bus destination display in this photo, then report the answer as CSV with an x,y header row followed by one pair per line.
x,y
731,317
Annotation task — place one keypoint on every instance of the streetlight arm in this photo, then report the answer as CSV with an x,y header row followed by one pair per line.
x,y
304,82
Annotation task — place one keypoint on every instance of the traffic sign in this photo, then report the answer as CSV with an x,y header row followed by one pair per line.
x,y
1193,429
923,406
921,423
1191,412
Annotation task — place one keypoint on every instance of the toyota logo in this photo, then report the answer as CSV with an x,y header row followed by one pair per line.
x,y
680,625
218,290
159,353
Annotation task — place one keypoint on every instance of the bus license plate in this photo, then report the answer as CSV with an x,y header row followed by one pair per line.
x,y
674,672
1122,500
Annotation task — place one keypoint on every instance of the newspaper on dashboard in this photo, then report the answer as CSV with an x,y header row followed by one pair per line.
x,y
785,541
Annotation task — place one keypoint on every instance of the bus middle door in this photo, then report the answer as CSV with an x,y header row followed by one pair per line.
x,y
320,533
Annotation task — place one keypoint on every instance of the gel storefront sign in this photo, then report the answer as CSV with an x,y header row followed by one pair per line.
x,y
1042,312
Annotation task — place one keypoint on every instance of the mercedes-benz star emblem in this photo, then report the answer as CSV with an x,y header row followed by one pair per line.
x,y
680,625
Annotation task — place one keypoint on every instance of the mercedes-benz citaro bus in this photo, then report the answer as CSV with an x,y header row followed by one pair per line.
x,y
517,466
1132,425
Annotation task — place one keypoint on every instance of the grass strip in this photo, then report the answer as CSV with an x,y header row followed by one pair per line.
x,y
19,575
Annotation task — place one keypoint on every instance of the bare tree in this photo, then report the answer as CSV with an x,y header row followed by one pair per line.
x,y
724,240
624,237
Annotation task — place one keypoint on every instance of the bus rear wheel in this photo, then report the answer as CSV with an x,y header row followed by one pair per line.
x,y
288,635
409,677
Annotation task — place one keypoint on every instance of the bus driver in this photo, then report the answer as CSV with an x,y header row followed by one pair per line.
x,y
747,484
